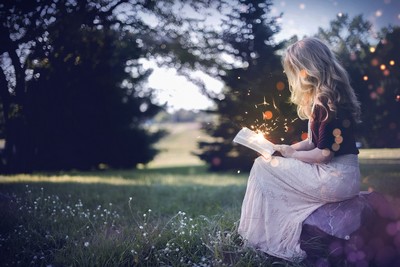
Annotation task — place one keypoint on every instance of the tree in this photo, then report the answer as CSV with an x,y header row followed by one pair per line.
x,y
85,109
256,93
43,77
376,88
382,78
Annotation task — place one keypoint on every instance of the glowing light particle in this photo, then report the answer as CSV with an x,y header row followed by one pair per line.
x,y
267,115
380,90
372,49
378,13
374,62
365,78
382,67
398,98
386,72
391,62
302,6
304,136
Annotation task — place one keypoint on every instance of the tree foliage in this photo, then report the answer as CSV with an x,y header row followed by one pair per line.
x,y
71,83
373,76
256,92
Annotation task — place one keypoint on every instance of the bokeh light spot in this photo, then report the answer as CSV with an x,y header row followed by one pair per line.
x,y
374,62
274,162
386,72
216,161
336,132
280,86
383,66
326,152
335,147
391,62
338,139
380,90
372,49
365,78
267,115
304,136
346,123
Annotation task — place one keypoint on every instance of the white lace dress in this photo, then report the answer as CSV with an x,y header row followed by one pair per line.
x,y
282,192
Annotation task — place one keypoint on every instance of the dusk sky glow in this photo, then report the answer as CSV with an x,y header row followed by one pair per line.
x,y
299,17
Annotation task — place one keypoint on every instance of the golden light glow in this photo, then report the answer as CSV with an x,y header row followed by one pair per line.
x,y
372,49
391,62
365,78
267,115
383,67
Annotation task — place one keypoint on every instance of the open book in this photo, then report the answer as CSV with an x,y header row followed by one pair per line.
x,y
255,141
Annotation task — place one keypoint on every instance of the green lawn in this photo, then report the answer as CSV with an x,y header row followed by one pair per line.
x,y
162,215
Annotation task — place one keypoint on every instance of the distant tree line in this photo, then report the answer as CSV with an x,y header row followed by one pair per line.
x,y
73,94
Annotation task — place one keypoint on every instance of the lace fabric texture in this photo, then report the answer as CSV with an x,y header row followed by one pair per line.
x,y
282,192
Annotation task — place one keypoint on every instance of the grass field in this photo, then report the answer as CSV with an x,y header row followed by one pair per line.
x,y
172,213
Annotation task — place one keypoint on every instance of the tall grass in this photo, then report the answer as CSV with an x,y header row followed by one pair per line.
x,y
40,228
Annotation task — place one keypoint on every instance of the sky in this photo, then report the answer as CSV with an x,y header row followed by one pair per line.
x,y
300,17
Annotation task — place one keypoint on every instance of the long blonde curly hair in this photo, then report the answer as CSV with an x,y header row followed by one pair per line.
x,y
317,78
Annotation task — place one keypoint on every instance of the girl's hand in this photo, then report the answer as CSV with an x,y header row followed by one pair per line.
x,y
285,150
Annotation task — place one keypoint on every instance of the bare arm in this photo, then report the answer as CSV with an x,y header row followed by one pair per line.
x,y
303,145
314,155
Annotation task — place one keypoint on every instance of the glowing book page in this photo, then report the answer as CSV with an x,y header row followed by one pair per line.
x,y
255,141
